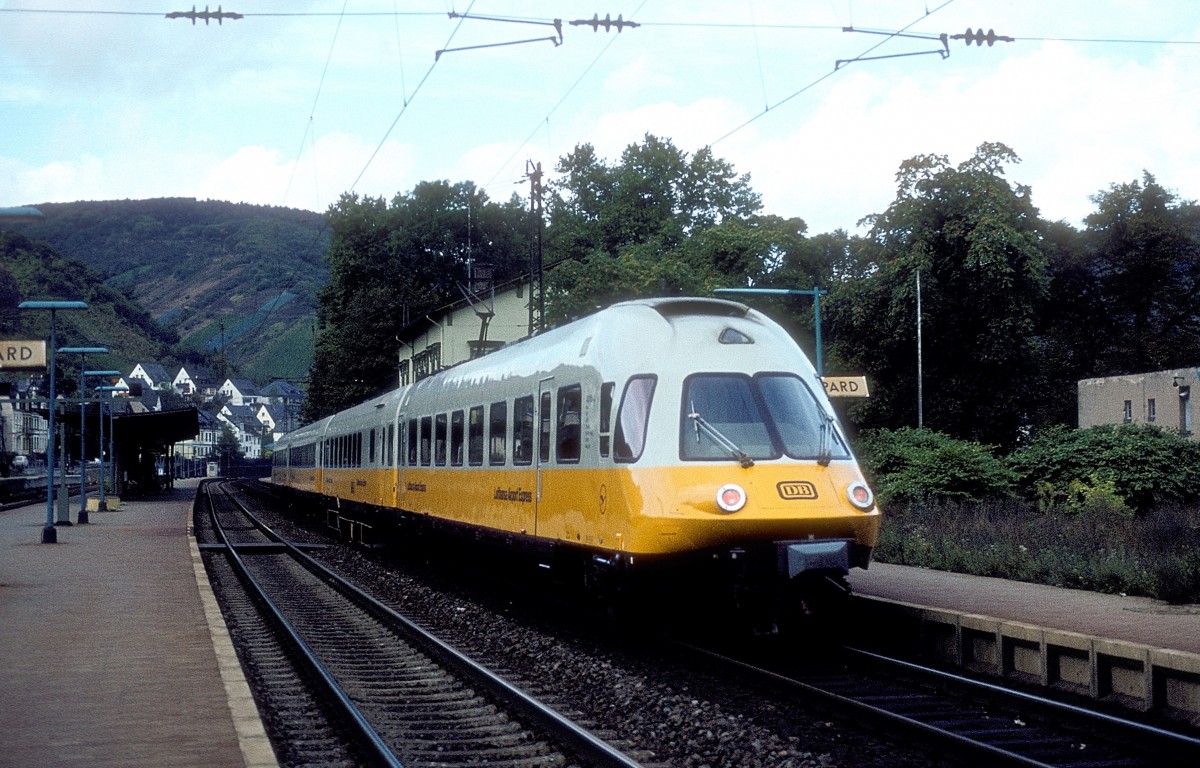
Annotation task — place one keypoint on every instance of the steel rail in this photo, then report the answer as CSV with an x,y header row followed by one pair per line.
x,y
584,743
361,728
1183,749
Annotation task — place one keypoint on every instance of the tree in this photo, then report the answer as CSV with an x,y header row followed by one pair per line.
x,y
393,263
974,240
1142,246
229,448
657,223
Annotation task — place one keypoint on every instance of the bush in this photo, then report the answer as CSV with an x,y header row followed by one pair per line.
x,y
1141,466
908,465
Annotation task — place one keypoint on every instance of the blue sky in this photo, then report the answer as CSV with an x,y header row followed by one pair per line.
x,y
296,103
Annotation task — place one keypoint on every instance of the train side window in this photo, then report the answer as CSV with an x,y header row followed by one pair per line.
x,y
544,444
497,429
567,443
412,442
633,415
606,398
358,449
371,443
456,438
475,436
523,430
439,440
426,438
391,446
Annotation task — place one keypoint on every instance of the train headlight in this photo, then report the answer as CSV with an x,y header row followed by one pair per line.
x,y
860,495
731,497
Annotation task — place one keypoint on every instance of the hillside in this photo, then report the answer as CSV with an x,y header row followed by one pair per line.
x,y
30,271
236,282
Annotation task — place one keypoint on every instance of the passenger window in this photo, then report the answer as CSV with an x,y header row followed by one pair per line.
x,y
606,399
371,443
456,438
475,436
569,400
632,418
497,428
426,440
523,430
544,444
412,442
439,443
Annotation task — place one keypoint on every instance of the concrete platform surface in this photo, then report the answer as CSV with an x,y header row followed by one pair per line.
x,y
114,652
1131,619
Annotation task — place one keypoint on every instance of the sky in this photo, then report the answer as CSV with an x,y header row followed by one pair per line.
x,y
299,102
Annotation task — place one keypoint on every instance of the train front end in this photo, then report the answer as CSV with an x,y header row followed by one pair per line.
x,y
738,470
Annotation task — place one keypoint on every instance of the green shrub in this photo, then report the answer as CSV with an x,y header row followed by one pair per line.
x,y
1142,466
908,465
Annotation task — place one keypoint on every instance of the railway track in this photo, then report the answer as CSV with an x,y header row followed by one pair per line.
x,y
977,722
349,681
908,710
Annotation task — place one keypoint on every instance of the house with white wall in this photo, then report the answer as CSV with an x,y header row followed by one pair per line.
x,y
195,383
240,392
466,329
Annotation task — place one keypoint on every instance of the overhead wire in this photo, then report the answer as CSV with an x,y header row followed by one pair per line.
x,y
545,121
309,133
830,73
408,100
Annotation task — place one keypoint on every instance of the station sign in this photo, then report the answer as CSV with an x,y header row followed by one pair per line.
x,y
846,386
22,355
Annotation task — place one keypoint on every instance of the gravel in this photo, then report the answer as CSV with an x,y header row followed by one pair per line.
x,y
626,686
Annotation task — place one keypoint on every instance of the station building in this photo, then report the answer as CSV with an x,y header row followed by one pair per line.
x,y
1160,398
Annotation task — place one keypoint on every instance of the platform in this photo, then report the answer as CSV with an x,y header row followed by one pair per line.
x,y
1132,651
115,653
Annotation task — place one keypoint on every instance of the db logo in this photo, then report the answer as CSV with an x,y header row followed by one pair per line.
x,y
797,489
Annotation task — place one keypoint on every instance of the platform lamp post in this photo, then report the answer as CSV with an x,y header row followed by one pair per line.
x,y
816,294
49,535
83,494
102,505
83,352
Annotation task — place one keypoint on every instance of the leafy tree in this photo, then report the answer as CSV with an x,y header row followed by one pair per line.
x,y
228,448
973,238
1143,246
657,223
392,263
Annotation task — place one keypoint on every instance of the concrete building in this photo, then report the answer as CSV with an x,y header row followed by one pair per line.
x,y
1161,398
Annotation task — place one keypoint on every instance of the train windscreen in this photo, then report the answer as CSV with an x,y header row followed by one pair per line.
x,y
762,417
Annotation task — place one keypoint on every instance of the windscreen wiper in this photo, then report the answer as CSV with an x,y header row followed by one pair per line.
x,y
717,437
825,451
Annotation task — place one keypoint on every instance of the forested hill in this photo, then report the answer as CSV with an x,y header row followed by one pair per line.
x,y
227,277
33,271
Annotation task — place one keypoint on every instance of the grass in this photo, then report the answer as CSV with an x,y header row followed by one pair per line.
x,y
1097,546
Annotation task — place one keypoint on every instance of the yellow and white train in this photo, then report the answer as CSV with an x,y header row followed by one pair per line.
x,y
680,438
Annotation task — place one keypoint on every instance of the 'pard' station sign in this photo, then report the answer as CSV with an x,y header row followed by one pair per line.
x,y
846,386
22,355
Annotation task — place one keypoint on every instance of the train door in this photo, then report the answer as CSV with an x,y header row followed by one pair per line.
x,y
544,437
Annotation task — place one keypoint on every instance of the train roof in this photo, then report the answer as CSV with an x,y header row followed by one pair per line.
x,y
629,336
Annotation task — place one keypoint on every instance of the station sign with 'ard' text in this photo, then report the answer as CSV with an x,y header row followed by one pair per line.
x,y
846,386
22,355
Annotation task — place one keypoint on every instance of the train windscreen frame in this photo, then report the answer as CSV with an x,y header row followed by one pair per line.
x,y
765,416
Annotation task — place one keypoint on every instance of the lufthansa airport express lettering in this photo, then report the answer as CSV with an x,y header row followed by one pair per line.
x,y
518,495
797,489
